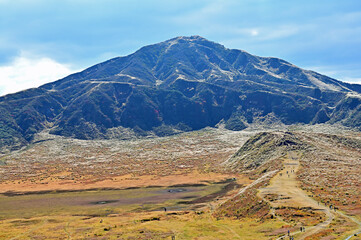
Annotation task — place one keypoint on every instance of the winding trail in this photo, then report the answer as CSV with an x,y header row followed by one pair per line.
x,y
256,182
286,192
45,220
66,230
232,231
358,231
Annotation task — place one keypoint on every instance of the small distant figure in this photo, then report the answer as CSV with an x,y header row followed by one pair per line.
x,y
173,237
288,232
101,220
165,209
304,229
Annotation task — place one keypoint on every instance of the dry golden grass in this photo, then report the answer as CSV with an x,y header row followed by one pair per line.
x,y
189,158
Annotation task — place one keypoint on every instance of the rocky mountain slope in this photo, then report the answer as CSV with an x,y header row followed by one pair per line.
x,y
182,84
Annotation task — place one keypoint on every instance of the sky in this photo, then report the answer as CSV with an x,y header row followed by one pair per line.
x,y
45,40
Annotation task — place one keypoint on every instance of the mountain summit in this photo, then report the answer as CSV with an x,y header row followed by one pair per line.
x,y
197,59
185,83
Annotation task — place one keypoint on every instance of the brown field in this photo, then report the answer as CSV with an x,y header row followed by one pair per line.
x,y
60,188
61,163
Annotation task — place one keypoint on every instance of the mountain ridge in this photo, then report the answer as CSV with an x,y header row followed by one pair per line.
x,y
142,53
182,84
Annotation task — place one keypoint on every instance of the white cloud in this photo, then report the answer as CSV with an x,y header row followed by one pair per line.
x,y
207,14
345,73
28,72
254,32
352,80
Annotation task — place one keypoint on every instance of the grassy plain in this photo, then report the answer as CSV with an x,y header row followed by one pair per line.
x,y
60,188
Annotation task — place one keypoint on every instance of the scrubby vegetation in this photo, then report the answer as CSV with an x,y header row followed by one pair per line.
x,y
210,184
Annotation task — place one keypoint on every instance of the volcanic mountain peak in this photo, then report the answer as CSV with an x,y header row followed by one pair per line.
x,y
197,59
181,84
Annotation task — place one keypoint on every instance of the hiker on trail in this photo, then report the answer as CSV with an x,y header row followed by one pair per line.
x,y
300,229
165,209
288,232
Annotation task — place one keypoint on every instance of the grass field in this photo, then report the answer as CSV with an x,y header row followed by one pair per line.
x,y
126,214
62,188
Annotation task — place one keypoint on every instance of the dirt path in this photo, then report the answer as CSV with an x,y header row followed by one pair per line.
x,y
45,220
232,231
256,182
66,230
285,191
358,231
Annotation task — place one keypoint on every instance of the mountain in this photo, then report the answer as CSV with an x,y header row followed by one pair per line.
x,y
183,84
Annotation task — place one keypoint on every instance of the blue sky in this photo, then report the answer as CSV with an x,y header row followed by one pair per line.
x,y
44,40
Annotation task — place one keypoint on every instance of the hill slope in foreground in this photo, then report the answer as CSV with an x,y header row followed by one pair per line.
x,y
207,184
183,84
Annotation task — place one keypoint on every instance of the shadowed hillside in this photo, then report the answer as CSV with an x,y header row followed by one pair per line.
x,y
183,84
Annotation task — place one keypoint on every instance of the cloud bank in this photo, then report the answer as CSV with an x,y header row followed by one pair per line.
x,y
83,33
27,72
